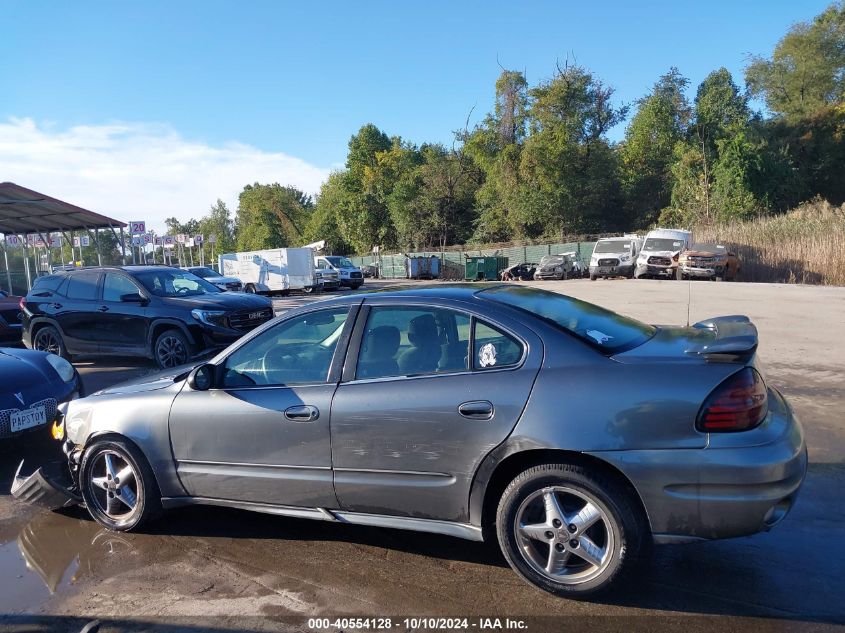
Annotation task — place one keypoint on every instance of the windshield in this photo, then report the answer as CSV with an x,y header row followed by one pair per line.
x,y
663,244
205,273
170,282
340,262
613,246
709,248
551,260
603,329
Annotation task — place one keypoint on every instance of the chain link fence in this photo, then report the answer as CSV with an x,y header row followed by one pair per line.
x,y
452,262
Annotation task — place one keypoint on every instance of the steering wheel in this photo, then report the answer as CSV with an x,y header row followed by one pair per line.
x,y
276,358
183,290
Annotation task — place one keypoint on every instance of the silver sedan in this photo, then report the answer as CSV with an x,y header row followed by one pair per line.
x,y
569,434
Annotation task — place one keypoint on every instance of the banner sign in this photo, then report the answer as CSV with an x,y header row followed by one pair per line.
x,y
137,228
212,239
181,238
13,241
198,239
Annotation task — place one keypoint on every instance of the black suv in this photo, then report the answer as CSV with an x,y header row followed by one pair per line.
x,y
158,312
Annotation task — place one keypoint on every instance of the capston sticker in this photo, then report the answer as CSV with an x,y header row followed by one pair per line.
x,y
487,355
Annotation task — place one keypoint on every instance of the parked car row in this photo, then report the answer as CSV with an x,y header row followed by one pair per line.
x,y
662,254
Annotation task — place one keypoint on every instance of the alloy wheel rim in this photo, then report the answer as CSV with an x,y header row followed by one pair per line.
x,y
171,352
564,534
47,342
114,486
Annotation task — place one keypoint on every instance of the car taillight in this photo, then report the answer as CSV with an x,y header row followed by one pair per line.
x,y
738,404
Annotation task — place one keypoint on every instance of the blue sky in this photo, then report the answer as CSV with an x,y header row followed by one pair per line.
x,y
295,80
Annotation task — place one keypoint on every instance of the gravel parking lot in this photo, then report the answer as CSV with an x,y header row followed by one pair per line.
x,y
230,565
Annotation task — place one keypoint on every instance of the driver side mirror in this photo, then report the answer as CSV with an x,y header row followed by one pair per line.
x,y
133,297
202,378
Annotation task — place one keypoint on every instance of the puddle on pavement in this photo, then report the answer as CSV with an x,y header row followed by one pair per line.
x,y
51,553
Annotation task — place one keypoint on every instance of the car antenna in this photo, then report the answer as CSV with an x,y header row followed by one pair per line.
x,y
689,298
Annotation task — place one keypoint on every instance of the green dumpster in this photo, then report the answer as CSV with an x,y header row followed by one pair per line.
x,y
484,268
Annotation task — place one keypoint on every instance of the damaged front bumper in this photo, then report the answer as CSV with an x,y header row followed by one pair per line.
x,y
50,486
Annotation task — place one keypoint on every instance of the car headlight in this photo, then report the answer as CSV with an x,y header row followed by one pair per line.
x,y
209,317
319,275
624,258
63,368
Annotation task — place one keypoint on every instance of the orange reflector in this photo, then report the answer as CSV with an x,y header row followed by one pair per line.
x,y
58,430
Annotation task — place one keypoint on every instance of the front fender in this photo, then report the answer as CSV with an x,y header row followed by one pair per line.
x,y
141,418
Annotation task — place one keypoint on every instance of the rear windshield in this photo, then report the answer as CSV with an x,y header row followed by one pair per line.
x,y
48,283
603,329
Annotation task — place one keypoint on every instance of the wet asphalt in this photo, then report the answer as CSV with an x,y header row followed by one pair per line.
x,y
212,568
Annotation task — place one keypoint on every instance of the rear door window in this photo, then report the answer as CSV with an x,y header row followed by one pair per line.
x,y
83,286
411,341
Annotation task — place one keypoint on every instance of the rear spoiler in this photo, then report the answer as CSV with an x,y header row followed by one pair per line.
x,y
732,335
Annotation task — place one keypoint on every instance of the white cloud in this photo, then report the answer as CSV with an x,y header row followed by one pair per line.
x,y
140,171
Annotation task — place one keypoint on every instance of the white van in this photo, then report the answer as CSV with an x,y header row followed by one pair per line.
x,y
660,253
274,270
615,256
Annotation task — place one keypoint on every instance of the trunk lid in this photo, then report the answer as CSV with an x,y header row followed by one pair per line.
x,y
726,339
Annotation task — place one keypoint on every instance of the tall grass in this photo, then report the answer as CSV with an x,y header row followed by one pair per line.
x,y
806,245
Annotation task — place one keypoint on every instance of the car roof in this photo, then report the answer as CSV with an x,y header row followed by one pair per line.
x,y
129,269
458,291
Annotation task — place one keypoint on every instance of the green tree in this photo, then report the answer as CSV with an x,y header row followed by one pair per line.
x,y
646,155
271,216
495,147
323,223
713,169
806,71
218,222
568,169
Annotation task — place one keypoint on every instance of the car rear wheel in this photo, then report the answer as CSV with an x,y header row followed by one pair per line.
x,y
171,349
250,289
118,485
569,531
48,339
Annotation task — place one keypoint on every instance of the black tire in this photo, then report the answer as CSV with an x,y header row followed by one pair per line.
x,y
620,517
49,339
593,277
309,289
171,349
356,286
142,484
250,289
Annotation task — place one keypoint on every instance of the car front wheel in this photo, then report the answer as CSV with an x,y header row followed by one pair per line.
x,y
118,486
569,531
171,349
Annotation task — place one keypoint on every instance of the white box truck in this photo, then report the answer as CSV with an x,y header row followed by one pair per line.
x,y
275,270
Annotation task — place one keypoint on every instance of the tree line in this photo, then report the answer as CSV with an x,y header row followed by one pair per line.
x,y
540,164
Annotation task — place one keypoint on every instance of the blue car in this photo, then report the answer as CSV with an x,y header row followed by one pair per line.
x,y
33,385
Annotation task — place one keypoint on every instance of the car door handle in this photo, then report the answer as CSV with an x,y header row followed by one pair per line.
x,y
302,413
476,410
103,308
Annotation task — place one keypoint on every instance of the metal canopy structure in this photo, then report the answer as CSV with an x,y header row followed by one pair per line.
x,y
26,212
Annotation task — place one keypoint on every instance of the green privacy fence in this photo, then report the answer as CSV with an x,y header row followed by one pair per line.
x,y
452,262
